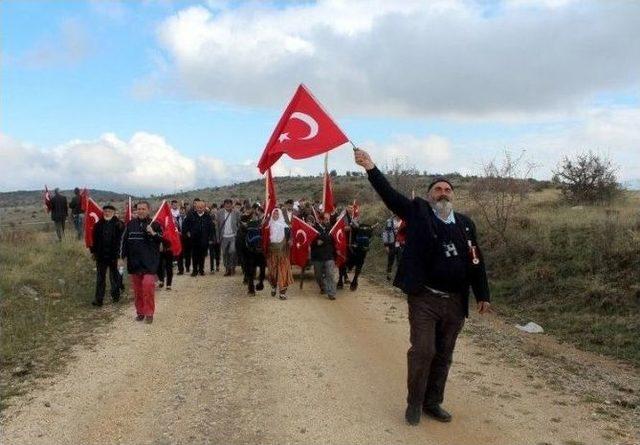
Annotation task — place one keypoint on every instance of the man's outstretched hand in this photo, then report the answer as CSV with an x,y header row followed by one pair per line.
x,y
363,159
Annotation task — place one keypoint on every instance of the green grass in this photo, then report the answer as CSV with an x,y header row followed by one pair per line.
x,y
45,293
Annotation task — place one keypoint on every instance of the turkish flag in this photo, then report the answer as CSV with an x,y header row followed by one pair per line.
x,y
304,130
303,235
84,195
340,240
93,213
270,195
327,195
128,212
46,198
170,232
356,209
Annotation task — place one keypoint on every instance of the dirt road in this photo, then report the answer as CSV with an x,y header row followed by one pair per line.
x,y
217,366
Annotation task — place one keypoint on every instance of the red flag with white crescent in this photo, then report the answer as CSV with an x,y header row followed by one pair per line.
x,y
328,205
46,198
304,130
170,232
92,214
340,240
302,236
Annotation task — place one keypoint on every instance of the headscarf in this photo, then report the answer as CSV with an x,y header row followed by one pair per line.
x,y
277,227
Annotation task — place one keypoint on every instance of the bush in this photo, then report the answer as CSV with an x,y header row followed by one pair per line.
x,y
587,179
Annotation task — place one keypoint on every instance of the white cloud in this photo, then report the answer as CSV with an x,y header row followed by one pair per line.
x,y
145,164
409,57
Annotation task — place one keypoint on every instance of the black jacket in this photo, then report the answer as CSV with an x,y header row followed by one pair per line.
x,y
325,250
200,229
76,205
107,236
141,250
59,208
424,261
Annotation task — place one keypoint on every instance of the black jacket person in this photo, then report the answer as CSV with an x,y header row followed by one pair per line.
x,y
441,261
107,234
199,227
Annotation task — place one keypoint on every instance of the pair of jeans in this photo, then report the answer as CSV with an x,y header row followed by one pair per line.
x,y
324,272
228,250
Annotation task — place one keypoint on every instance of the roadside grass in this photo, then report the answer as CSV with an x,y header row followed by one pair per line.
x,y
45,293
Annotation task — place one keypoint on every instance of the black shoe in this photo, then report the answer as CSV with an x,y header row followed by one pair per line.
x,y
437,413
332,297
115,299
388,277
346,280
245,280
194,274
96,303
354,285
412,414
161,285
201,273
139,317
148,319
339,285
273,292
227,273
180,273
260,286
251,292
322,292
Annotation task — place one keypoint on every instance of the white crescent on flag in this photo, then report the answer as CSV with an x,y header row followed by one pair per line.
x,y
304,234
95,217
311,122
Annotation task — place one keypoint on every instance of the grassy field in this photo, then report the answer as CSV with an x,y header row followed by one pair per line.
x,y
45,293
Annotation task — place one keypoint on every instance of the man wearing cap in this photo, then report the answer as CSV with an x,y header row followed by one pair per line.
x,y
440,262
105,249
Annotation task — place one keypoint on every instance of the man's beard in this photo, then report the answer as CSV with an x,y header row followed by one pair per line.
x,y
443,207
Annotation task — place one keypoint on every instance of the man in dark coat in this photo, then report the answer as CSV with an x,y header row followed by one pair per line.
x,y
323,254
200,230
59,212
440,262
141,248
77,212
107,234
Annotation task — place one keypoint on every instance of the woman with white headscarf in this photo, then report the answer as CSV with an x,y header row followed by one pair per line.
x,y
278,263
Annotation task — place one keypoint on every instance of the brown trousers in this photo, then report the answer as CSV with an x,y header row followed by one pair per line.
x,y
435,322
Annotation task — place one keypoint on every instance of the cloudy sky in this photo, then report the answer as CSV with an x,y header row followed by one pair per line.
x,y
157,96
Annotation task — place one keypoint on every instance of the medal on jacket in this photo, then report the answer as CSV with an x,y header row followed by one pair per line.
x,y
473,253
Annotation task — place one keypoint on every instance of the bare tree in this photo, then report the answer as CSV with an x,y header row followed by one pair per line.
x,y
500,191
587,179
402,175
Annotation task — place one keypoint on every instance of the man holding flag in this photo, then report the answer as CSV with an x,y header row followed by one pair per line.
x,y
141,249
106,236
171,245
441,261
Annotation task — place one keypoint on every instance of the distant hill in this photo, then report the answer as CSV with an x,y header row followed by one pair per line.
x,y
31,197
353,185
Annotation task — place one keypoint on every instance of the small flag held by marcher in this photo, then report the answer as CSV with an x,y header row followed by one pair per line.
x,y
328,205
93,214
46,198
340,240
303,235
128,211
170,232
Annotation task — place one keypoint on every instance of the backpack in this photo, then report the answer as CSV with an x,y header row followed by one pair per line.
x,y
253,239
362,237
389,233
